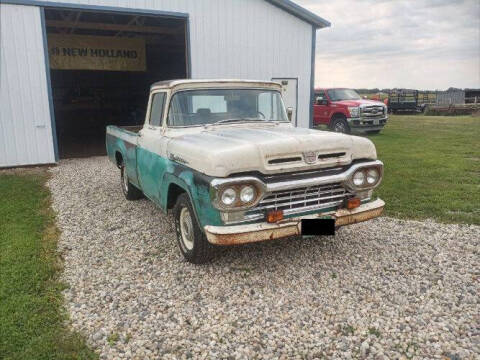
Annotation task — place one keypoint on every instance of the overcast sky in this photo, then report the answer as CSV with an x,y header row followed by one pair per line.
x,y
422,44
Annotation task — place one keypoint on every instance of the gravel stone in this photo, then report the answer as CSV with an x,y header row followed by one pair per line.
x,y
364,348
386,289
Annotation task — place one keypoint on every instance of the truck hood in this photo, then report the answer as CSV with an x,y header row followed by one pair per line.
x,y
223,150
360,102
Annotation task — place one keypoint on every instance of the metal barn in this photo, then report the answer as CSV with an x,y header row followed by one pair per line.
x,y
68,69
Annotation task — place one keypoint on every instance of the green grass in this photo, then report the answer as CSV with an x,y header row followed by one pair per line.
x,y
374,331
32,318
432,167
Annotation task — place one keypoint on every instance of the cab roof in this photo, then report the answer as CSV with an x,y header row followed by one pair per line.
x,y
213,83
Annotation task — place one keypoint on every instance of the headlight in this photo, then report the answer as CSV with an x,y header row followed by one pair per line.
x,y
229,196
247,194
365,177
354,111
359,178
372,176
236,194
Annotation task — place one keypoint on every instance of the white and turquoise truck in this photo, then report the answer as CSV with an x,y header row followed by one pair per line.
x,y
224,157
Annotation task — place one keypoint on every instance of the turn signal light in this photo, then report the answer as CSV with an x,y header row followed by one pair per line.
x,y
274,216
353,203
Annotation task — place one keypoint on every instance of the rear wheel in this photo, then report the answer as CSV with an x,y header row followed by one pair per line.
x,y
340,125
130,191
192,242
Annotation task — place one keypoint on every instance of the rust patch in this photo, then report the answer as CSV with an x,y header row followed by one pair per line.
x,y
358,217
254,236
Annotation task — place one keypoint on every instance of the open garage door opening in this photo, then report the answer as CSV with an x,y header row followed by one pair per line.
x,y
102,65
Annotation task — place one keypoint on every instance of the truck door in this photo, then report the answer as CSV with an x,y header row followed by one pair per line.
x,y
321,111
289,94
151,149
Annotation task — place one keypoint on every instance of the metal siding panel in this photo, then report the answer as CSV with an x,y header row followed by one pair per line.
x,y
8,141
24,111
27,120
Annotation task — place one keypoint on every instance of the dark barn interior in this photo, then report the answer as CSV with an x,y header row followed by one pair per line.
x,y
86,101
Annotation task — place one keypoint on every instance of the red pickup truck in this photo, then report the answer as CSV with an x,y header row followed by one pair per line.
x,y
343,110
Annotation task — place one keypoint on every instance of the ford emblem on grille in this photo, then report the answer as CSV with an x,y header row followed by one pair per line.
x,y
374,111
310,157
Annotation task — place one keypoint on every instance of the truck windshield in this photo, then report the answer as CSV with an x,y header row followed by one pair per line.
x,y
202,107
343,94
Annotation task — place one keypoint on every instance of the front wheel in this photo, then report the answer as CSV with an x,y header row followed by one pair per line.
x,y
191,240
340,125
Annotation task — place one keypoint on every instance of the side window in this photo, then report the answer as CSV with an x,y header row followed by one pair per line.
x,y
332,94
158,103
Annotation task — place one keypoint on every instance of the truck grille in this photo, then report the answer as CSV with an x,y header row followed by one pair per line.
x,y
371,112
300,200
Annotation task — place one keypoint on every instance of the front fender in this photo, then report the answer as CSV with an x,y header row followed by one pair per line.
x,y
197,186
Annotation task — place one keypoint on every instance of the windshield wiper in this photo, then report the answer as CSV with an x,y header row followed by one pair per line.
x,y
225,121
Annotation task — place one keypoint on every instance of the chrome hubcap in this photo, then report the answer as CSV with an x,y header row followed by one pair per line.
x,y
125,179
186,228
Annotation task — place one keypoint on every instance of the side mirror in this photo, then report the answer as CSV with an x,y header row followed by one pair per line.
x,y
289,113
321,101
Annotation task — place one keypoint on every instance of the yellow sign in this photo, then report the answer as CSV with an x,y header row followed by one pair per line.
x,y
82,52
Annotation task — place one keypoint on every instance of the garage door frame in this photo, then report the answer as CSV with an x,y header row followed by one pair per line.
x,y
112,9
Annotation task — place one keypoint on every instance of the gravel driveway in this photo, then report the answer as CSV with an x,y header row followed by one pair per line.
x,y
383,289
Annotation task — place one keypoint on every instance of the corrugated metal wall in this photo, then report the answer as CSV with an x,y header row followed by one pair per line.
x,y
249,39
25,125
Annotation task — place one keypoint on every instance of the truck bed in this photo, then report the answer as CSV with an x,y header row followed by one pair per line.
x,y
123,139
127,133
135,129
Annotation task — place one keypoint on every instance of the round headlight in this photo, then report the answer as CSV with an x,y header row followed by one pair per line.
x,y
247,194
372,176
228,196
359,178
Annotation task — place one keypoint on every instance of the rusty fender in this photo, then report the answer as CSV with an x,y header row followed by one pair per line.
x,y
243,234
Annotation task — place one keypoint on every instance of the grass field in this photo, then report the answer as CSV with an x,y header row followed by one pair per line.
x,y
432,167
32,319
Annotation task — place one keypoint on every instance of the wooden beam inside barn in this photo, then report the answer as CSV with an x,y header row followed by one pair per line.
x,y
113,27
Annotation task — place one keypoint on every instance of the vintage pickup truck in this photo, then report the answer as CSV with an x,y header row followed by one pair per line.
x,y
223,155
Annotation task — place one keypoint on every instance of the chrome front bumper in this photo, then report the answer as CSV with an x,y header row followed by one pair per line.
x,y
242,234
358,124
